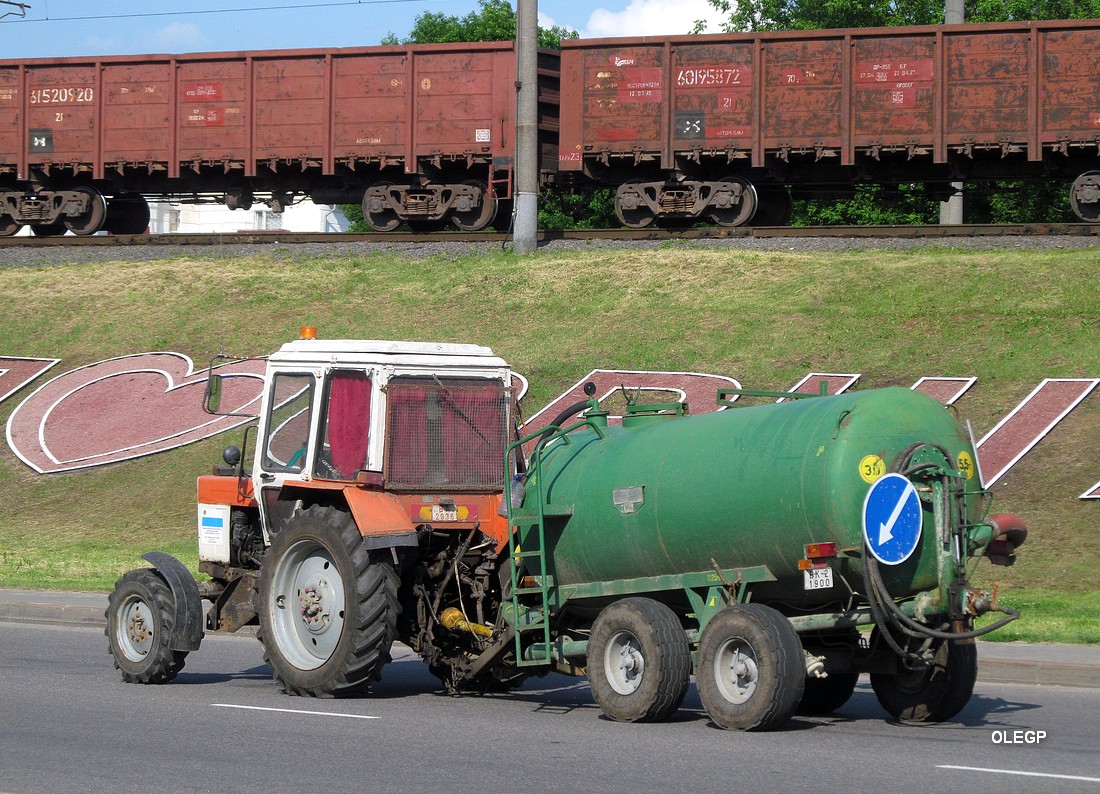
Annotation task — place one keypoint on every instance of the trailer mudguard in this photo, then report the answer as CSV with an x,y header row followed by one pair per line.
x,y
187,614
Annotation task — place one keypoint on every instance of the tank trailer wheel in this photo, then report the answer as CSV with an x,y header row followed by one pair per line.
x,y
475,217
639,664
934,694
328,606
826,695
750,671
139,628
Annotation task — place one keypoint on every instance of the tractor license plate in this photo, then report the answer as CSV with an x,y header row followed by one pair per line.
x,y
818,578
443,514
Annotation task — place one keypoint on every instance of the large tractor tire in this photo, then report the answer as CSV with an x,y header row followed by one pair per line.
x,y
751,670
639,663
140,628
328,606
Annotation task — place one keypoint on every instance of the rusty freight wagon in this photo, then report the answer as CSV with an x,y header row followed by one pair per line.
x,y
419,134
723,127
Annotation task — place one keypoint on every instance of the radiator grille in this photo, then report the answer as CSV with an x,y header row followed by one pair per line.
x,y
445,434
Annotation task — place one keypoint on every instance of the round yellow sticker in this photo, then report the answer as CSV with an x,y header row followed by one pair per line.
x,y
871,468
966,464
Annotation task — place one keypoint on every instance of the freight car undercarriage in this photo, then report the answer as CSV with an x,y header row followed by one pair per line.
x,y
710,189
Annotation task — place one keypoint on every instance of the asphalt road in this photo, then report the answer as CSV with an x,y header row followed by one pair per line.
x,y
67,724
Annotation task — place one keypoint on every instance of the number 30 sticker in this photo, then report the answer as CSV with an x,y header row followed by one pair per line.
x,y
871,468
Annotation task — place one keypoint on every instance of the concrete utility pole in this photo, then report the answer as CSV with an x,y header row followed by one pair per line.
x,y
951,211
525,232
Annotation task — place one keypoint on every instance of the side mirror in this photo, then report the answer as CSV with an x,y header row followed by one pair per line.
x,y
212,395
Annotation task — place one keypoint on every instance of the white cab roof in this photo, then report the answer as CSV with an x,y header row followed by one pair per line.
x,y
447,354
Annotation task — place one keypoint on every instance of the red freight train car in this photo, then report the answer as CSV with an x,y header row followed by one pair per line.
x,y
719,126
420,134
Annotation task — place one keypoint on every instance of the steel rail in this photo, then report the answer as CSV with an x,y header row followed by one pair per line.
x,y
702,233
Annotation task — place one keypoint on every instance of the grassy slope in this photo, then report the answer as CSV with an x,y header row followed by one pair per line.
x,y
1008,317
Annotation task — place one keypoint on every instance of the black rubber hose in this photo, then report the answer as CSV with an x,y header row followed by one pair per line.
x,y
575,408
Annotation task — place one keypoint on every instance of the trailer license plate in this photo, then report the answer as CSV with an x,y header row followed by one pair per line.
x,y
818,578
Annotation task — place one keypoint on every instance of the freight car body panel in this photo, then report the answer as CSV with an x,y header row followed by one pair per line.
x,y
825,109
436,121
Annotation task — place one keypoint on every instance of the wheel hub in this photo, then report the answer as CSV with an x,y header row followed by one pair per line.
x,y
307,608
135,630
736,672
313,600
624,663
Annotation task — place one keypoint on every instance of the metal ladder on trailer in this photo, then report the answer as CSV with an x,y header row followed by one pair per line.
x,y
530,555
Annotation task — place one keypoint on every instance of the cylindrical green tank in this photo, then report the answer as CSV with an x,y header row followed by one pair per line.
x,y
747,486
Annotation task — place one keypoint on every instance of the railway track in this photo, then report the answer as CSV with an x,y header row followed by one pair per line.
x,y
705,233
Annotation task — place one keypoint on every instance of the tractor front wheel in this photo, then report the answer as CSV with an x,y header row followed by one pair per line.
x,y
140,628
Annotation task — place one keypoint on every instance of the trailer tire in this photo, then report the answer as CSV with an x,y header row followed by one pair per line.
x,y
751,672
935,694
140,626
328,606
639,663
826,695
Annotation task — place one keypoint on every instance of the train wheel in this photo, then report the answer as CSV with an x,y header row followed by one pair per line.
x,y
8,224
477,216
774,207
734,204
328,606
91,220
377,210
139,628
639,664
751,672
127,214
1084,196
935,694
630,206
48,229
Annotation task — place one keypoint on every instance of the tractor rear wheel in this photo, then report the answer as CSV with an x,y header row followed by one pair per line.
x,y
639,663
328,606
139,628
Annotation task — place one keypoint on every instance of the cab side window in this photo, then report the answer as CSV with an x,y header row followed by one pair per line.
x,y
345,426
288,423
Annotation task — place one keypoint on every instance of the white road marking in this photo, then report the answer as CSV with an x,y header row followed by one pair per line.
x,y
295,711
1023,774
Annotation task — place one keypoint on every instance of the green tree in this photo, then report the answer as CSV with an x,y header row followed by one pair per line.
x,y
495,20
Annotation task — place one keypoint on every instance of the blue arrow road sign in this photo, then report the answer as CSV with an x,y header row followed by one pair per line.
x,y
892,519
